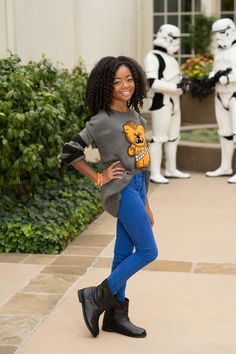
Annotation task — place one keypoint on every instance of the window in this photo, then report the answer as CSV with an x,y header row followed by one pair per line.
x,y
228,9
179,13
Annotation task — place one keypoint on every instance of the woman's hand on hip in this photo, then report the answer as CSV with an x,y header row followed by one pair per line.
x,y
112,172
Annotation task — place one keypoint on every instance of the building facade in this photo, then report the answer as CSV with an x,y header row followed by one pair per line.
x,y
66,30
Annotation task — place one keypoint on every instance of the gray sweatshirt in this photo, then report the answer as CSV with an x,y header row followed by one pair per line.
x,y
118,136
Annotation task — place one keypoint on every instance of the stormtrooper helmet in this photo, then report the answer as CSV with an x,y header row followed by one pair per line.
x,y
168,37
225,32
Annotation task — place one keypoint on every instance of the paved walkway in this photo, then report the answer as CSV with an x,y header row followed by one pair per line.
x,y
186,299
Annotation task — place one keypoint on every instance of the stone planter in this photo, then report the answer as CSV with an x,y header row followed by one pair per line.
x,y
197,111
199,157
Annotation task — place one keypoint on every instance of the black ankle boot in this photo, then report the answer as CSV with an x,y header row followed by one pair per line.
x,y
117,320
94,301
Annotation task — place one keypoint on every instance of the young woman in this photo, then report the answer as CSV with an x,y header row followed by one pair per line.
x,y
115,91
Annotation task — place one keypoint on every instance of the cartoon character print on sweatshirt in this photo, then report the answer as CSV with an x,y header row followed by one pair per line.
x,y
134,134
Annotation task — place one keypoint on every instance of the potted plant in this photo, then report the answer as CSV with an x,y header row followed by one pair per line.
x,y
197,105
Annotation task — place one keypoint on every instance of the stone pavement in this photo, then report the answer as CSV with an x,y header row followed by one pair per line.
x,y
186,299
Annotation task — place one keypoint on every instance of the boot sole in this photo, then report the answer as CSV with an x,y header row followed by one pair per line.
x,y
105,329
82,301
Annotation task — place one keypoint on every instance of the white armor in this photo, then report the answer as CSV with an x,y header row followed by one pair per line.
x,y
225,94
163,74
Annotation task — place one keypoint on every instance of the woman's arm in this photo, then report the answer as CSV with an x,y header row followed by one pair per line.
x,y
112,172
149,212
85,169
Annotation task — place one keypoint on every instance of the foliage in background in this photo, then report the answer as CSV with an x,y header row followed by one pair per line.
x,y
48,219
200,34
43,206
41,106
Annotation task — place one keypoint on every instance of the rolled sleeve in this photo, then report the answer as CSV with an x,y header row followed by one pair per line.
x,y
74,150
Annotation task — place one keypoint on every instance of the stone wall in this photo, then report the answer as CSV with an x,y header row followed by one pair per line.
x,y
199,157
197,111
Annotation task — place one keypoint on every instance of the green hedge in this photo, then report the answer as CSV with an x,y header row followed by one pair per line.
x,y
43,206
48,219
41,107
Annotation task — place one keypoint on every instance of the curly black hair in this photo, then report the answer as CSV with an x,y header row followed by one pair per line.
x,y
101,83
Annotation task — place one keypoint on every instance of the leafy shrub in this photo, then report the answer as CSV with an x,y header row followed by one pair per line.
x,y
48,219
200,34
41,106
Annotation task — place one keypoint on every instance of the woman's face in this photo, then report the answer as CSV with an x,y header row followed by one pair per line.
x,y
123,87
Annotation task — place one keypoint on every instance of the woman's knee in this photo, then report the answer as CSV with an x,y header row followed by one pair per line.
x,y
154,254
151,254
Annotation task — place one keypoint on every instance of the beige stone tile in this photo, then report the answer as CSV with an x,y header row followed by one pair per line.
x,y
50,283
169,266
103,262
13,277
109,250
70,270
165,266
98,240
84,261
216,268
152,188
183,313
179,233
30,304
39,259
15,328
82,250
104,224
12,257
5,349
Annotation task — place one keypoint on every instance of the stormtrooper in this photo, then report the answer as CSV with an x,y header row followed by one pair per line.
x,y
165,88
225,94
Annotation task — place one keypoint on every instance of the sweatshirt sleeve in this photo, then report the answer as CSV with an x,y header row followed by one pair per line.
x,y
74,150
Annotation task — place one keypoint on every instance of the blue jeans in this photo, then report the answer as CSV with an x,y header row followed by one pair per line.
x,y
135,244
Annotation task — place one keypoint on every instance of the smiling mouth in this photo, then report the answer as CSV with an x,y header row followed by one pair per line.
x,y
126,93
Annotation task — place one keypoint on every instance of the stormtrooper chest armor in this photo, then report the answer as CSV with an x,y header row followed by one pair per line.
x,y
223,59
170,70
